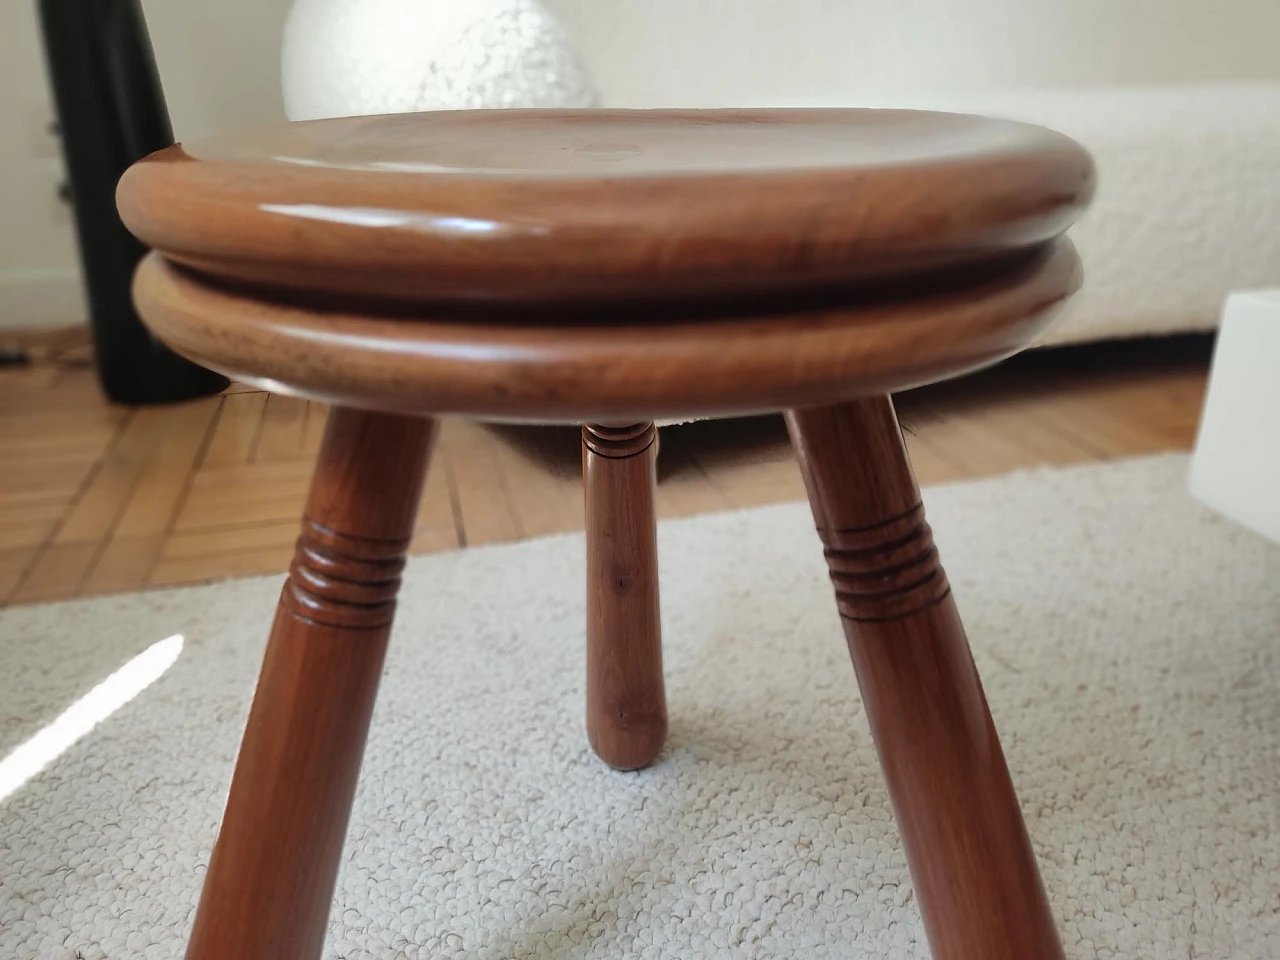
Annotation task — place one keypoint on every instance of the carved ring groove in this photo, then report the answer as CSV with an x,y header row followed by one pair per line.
x,y
344,581
619,442
885,572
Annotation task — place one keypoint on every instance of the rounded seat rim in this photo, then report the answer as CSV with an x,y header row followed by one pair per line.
x,y
623,372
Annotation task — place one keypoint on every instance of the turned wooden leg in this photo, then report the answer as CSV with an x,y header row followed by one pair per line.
x,y
971,861
626,702
271,877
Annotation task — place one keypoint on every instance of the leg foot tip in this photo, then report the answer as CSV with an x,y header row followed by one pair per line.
x,y
630,749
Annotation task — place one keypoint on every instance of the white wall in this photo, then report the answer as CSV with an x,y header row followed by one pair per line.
x,y
219,63
753,52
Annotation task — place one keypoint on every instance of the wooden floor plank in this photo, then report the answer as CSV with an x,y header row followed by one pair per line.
x,y
749,462
724,444
930,464
313,433
545,490
13,566
223,540
976,444
42,511
157,496
56,573
19,498
215,475
97,498
46,418
1045,447
480,482
432,540
1090,422
283,424
752,485
18,535
239,420
684,488
211,497
86,443
21,382
436,523
122,566
243,563
46,479
230,514
95,512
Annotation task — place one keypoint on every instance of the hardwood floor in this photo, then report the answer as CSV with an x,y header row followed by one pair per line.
x,y
98,499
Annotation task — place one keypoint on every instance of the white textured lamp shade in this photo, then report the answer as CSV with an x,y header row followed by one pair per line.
x,y
1236,467
357,57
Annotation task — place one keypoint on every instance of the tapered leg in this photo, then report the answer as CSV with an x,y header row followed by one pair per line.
x,y
971,861
271,877
626,702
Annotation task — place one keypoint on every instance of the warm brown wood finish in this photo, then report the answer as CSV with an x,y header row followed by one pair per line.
x,y
610,268
527,206
652,370
270,880
971,860
626,701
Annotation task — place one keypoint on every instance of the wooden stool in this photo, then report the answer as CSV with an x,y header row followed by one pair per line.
x,y
612,268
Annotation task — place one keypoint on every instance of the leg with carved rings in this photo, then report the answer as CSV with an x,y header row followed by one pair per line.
x,y
271,877
971,862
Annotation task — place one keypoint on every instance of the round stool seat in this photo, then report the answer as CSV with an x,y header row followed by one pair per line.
x,y
531,207
607,265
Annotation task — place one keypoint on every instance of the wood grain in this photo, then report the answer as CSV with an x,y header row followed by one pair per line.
x,y
675,368
270,880
626,699
513,207
971,861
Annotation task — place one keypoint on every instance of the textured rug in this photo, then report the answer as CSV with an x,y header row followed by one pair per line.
x,y
1130,643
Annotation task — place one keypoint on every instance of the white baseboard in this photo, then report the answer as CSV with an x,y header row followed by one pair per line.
x,y
48,297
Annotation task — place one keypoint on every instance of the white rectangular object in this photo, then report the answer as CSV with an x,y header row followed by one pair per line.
x,y
1236,466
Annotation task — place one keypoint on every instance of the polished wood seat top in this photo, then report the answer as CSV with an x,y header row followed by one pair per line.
x,y
512,208
609,265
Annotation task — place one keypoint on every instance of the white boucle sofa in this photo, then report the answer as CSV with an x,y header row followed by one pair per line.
x,y
1188,201
1179,101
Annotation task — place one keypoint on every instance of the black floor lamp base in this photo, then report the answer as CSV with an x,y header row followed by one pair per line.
x,y
111,112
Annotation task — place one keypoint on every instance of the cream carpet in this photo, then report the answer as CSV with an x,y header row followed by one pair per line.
x,y
1129,641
